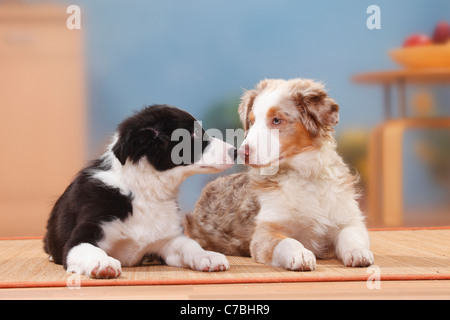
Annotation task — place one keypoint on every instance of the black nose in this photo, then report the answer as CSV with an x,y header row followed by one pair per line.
x,y
233,153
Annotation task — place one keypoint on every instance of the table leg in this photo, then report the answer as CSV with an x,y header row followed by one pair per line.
x,y
387,101
375,180
401,97
392,173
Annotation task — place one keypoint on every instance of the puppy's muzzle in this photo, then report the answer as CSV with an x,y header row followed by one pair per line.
x,y
244,153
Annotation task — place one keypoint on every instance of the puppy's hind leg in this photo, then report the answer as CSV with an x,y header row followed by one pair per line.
x,y
187,253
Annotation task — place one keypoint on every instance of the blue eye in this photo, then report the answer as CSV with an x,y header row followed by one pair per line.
x,y
276,121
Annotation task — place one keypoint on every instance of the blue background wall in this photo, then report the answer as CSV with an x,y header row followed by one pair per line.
x,y
196,53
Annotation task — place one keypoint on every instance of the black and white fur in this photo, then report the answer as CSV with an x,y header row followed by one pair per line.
x,y
123,206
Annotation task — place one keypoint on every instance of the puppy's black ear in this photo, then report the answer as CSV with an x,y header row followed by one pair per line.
x,y
121,148
136,144
148,134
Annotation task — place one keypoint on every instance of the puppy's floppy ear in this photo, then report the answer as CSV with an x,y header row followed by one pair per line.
x,y
318,109
247,99
134,145
246,106
147,134
121,148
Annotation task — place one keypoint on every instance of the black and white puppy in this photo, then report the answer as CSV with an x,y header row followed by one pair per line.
x,y
123,206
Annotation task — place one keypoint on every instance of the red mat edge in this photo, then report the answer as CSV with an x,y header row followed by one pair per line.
x,y
106,283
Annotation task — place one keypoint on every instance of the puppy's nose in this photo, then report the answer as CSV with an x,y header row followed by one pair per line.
x,y
232,153
244,152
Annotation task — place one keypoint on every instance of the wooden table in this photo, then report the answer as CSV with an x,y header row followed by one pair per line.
x,y
400,78
385,185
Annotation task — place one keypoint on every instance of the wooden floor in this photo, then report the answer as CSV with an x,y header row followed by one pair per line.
x,y
433,289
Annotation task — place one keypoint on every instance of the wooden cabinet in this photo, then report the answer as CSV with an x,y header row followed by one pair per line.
x,y
42,113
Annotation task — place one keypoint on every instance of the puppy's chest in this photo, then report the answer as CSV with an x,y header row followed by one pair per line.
x,y
298,196
148,227
299,202
152,219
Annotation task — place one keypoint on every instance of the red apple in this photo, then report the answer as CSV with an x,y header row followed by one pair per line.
x,y
441,32
417,39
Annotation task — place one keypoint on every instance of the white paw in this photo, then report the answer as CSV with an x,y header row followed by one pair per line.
x,y
300,260
210,261
292,255
93,262
360,257
107,268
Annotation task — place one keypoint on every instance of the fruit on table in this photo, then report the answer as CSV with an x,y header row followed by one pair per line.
x,y
441,32
417,39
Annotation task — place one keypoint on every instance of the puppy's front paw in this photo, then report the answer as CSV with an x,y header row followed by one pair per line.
x,y
107,268
104,268
93,262
359,257
292,255
210,261
300,260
